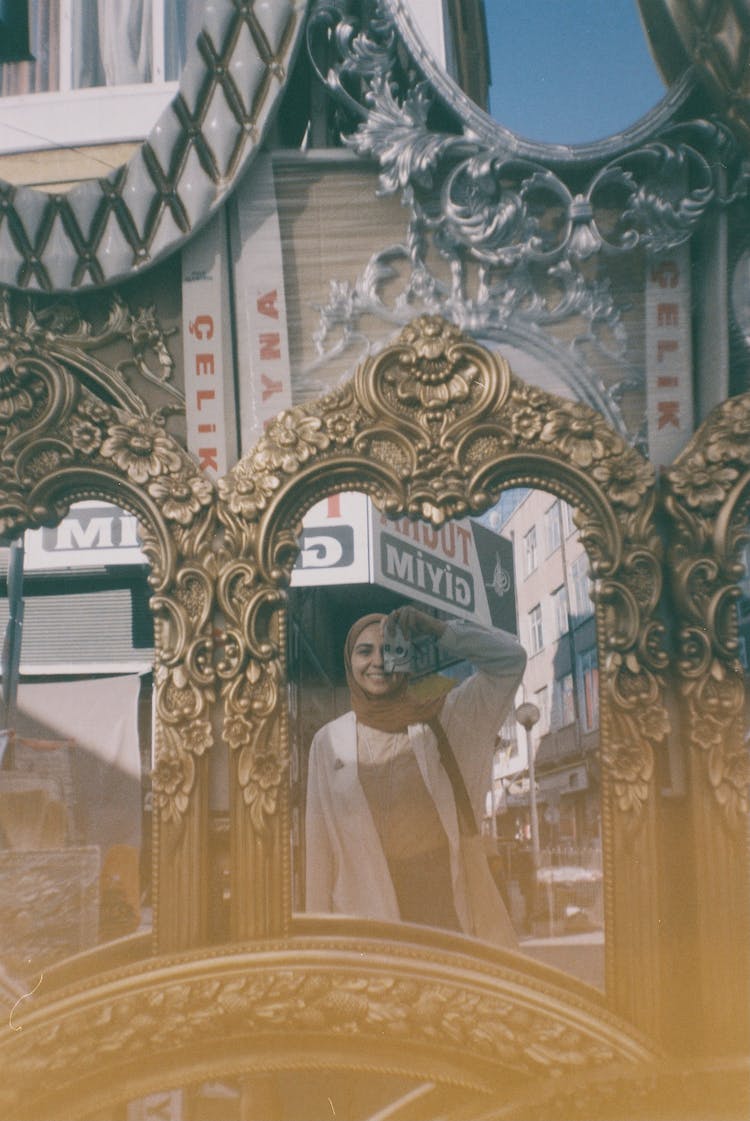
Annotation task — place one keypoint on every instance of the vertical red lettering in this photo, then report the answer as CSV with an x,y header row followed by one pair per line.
x,y
204,395
270,387
208,458
270,345
195,327
668,412
666,274
664,346
204,364
334,506
266,304
668,315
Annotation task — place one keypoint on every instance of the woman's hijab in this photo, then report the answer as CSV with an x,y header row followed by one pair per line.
x,y
402,707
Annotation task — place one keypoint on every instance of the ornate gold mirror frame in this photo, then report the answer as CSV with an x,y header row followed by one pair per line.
x,y
435,427
63,442
708,501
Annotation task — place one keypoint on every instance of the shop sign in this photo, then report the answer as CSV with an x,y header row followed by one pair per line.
x,y
207,351
335,545
442,567
92,535
262,344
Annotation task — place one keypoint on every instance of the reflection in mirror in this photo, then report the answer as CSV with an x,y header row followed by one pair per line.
x,y
551,66
76,740
316,1095
390,783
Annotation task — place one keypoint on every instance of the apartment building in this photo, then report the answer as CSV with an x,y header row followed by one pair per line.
x,y
557,627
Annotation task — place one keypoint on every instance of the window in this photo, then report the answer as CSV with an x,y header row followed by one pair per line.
x,y
530,550
541,700
135,49
536,634
567,519
552,528
565,709
560,607
509,737
579,571
588,683
14,30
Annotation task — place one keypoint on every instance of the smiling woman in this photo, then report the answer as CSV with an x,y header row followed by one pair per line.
x,y
395,786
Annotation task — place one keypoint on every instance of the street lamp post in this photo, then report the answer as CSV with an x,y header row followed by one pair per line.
x,y
527,716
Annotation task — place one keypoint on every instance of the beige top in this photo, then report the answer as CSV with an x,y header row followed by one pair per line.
x,y
402,808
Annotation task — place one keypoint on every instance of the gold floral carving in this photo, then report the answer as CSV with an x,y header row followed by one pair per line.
x,y
434,427
468,1022
708,499
61,443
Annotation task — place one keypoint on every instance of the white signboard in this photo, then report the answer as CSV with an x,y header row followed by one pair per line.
x,y
335,545
263,349
92,535
435,566
207,350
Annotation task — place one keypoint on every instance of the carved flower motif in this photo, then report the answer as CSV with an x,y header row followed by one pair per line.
x,y
197,736
653,722
171,785
430,375
13,346
526,424
625,481
292,440
85,436
180,498
703,485
632,767
577,431
341,428
264,778
731,438
246,492
141,449
236,731
95,410
18,391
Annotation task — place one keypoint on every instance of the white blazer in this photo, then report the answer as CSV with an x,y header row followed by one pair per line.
x,y
347,872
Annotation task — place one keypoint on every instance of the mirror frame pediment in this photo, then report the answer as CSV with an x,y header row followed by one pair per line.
x,y
434,427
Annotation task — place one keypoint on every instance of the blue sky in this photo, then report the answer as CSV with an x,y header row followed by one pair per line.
x,y
569,71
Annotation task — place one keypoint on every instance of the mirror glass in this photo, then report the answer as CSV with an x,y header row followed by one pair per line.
x,y
558,73
380,813
321,1094
76,740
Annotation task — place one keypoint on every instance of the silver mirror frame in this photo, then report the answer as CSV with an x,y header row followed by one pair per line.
x,y
489,132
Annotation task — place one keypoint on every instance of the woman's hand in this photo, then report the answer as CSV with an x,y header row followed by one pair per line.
x,y
413,622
